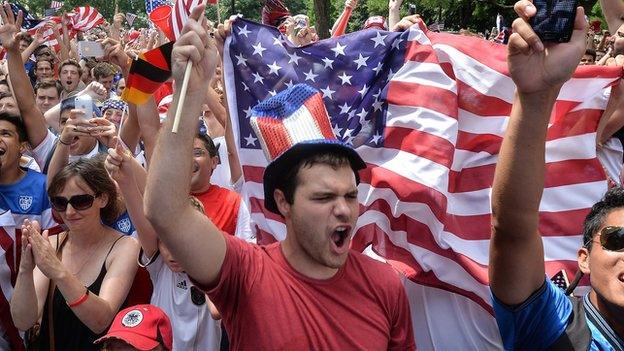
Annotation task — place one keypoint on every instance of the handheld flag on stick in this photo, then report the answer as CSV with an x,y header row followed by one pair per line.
x,y
147,73
130,17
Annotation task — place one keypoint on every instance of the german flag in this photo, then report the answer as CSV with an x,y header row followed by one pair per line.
x,y
148,72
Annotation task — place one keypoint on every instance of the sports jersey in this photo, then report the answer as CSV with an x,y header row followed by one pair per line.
x,y
28,199
268,305
186,306
123,224
540,320
25,199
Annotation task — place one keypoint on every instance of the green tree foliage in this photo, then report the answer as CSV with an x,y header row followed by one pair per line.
x,y
478,15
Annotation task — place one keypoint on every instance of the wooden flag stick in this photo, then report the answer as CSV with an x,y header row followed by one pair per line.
x,y
187,76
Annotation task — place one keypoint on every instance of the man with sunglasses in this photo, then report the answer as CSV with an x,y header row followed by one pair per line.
x,y
531,312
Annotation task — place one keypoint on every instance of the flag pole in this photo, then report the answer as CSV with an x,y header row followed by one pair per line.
x,y
178,113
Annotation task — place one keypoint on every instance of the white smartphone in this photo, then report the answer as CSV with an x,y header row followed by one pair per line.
x,y
90,49
84,102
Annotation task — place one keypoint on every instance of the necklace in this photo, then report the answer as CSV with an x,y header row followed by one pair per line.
x,y
88,256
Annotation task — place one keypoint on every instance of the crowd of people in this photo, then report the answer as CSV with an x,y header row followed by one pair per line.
x,y
118,234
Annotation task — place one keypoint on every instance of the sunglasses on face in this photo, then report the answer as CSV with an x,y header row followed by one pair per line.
x,y
612,238
78,202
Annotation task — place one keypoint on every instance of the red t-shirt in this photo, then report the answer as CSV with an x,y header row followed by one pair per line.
x,y
267,305
221,206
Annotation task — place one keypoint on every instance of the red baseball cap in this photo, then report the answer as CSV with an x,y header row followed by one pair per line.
x,y
378,22
142,326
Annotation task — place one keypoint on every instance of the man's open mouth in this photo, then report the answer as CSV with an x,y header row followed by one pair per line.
x,y
340,235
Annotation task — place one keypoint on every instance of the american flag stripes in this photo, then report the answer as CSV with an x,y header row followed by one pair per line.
x,y
56,4
46,29
85,18
427,112
180,14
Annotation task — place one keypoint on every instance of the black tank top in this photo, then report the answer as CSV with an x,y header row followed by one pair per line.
x,y
69,331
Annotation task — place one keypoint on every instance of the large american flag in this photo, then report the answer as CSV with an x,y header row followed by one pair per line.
x,y
427,112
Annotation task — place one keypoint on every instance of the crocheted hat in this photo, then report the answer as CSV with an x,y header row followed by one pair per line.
x,y
293,125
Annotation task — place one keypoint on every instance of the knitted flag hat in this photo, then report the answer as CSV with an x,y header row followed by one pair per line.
x,y
291,126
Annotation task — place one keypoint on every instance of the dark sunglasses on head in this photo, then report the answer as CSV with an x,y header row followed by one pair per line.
x,y
612,238
78,202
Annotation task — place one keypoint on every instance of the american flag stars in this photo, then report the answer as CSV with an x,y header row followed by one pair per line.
x,y
344,70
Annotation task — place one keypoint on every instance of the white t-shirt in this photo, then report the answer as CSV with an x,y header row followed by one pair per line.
x,y
221,176
193,326
42,151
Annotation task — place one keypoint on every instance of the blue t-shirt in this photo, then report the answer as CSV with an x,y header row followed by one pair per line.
x,y
28,199
539,321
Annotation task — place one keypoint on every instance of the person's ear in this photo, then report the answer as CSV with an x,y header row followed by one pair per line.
x,y
583,260
103,200
282,205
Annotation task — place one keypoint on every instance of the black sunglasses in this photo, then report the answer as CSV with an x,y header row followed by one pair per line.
x,y
612,238
78,202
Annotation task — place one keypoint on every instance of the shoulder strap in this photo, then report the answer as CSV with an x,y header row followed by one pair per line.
x,y
111,248
577,336
49,158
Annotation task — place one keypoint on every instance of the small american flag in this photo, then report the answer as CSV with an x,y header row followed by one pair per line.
x,y
85,17
130,17
180,14
56,4
427,112
150,5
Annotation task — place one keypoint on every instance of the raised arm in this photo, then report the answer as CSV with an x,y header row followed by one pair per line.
x,y
22,90
37,40
394,12
192,238
236,172
340,26
74,127
53,115
613,11
149,124
516,267
124,169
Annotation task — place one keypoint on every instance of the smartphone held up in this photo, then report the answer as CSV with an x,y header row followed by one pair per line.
x,y
554,20
84,103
